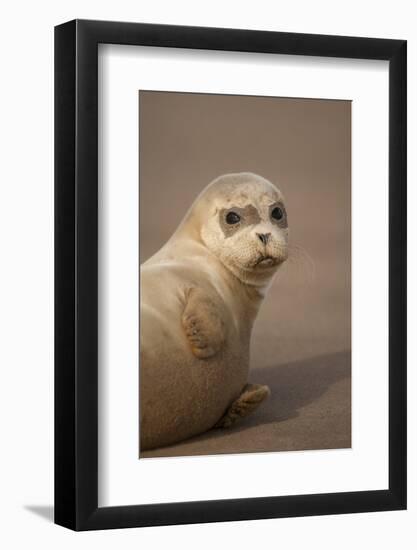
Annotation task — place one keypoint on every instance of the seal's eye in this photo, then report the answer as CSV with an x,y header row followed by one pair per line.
x,y
277,213
232,218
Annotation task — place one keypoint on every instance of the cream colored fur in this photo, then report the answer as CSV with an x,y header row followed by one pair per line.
x,y
200,295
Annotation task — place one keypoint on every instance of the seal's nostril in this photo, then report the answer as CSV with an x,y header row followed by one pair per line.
x,y
264,237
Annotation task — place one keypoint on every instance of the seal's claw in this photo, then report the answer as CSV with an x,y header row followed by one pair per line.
x,y
249,400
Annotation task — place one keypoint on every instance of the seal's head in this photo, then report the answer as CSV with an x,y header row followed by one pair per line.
x,y
243,221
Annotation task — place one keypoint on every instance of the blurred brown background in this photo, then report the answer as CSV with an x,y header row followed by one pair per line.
x,y
302,338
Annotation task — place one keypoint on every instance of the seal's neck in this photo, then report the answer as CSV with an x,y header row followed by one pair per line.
x,y
247,297
247,293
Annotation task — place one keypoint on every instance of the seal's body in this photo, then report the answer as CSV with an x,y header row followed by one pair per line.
x,y
199,298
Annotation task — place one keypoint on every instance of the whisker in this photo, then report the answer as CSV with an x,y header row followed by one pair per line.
x,y
300,262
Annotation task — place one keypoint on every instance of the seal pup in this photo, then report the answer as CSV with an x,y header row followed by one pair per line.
x,y
200,294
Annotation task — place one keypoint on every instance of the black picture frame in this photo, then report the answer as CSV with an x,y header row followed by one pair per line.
x,y
76,272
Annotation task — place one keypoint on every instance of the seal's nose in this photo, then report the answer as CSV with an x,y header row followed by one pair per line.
x,y
264,237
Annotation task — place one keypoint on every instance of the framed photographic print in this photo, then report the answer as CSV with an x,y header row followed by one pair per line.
x,y
230,252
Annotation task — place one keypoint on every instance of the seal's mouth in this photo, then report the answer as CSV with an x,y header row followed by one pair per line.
x,y
266,261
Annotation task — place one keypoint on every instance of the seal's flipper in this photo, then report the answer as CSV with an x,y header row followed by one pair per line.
x,y
203,326
251,397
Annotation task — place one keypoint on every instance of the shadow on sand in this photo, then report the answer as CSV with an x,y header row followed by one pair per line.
x,y
296,385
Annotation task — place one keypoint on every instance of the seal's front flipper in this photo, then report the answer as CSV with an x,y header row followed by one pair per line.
x,y
203,324
251,397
